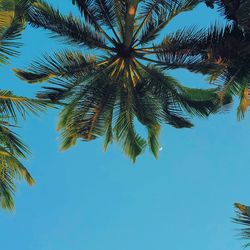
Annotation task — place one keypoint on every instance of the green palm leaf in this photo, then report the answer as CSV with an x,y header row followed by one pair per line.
x,y
11,104
66,63
10,169
157,14
243,218
72,29
11,26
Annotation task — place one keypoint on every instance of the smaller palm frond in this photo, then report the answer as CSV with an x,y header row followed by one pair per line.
x,y
100,13
12,105
69,27
243,218
8,43
10,170
244,94
186,40
12,23
11,141
65,63
133,144
12,149
157,14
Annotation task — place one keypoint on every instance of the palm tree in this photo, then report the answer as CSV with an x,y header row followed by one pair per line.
x,y
243,218
110,93
12,149
235,40
226,47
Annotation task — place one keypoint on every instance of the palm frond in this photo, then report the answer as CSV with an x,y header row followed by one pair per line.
x,y
243,218
7,188
132,143
158,14
195,101
11,104
98,12
10,169
194,49
87,112
182,41
244,101
70,28
7,10
66,63
149,111
12,142
11,26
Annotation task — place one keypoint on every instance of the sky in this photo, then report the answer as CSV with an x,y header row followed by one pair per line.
x,y
86,199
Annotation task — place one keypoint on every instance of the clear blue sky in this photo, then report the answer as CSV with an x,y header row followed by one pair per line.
x,y
88,200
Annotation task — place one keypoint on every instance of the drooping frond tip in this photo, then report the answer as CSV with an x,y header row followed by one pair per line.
x,y
243,218
245,210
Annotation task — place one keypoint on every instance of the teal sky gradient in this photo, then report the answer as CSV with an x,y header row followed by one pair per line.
x,y
86,199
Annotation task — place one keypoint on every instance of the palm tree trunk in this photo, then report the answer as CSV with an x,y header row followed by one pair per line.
x,y
130,21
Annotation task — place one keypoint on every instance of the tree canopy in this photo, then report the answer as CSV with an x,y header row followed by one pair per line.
x,y
107,93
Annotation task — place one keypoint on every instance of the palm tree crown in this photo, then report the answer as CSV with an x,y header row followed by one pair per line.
x,y
231,45
105,95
